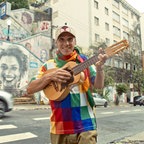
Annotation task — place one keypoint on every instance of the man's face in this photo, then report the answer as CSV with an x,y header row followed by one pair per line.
x,y
10,71
66,43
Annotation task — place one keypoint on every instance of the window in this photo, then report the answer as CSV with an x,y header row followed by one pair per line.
x,y
116,16
97,38
127,66
116,4
106,26
96,21
125,22
106,11
96,4
118,63
116,31
125,10
125,35
134,67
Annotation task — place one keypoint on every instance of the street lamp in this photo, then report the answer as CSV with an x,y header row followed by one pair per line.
x,y
8,24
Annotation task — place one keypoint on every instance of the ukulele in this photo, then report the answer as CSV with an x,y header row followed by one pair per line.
x,y
58,91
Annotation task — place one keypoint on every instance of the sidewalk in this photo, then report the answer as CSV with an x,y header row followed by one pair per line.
x,y
134,139
30,107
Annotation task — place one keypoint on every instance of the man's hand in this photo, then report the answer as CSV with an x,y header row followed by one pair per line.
x,y
60,75
102,59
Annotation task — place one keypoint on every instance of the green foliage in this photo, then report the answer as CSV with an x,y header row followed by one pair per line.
x,y
121,88
17,4
138,81
109,74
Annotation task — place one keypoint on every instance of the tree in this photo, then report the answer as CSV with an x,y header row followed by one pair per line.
x,y
17,4
138,81
120,89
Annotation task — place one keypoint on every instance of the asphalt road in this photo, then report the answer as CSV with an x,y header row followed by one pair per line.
x,y
32,126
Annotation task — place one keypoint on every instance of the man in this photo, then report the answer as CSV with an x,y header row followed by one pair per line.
x,y
72,120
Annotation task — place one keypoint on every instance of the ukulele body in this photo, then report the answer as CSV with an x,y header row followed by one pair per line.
x,y
58,91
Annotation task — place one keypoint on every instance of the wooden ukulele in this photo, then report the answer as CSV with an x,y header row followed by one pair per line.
x,y
58,91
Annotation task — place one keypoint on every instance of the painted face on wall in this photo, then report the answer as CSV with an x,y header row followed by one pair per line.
x,y
43,55
10,71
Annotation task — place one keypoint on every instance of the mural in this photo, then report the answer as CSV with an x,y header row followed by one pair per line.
x,y
29,46
32,21
13,68
42,23
16,32
24,17
39,45
25,23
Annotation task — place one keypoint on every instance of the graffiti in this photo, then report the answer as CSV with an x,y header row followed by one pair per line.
x,y
28,46
16,32
13,68
44,55
39,45
26,18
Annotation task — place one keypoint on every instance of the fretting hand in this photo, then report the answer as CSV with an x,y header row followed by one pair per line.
x,y
102,59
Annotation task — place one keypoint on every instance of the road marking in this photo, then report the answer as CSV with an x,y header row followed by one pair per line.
x,y
125,111
7,126
45,118
16,137
107,112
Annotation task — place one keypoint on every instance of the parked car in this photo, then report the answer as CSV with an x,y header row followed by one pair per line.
x,y
99,101
138,100
6,102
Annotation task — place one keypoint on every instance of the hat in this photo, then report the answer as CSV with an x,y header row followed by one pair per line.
x,y
63,29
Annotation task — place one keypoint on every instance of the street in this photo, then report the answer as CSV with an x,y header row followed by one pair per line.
x,y
32,126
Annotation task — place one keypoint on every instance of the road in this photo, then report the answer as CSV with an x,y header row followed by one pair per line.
x,y
32,126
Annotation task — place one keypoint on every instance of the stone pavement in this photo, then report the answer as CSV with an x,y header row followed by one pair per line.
x,y
134,139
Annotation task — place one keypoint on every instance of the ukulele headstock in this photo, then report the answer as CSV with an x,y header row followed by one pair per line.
x,y
116,48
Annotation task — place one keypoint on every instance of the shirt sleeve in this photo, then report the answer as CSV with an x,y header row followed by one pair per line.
x,y
92,73
47,65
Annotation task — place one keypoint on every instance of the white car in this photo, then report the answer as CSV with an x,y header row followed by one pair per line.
x,y
99,101
6,102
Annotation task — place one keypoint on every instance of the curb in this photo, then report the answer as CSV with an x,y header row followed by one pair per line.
x,y
30,107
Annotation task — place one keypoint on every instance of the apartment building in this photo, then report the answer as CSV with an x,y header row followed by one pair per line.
x,y
101,21
96,20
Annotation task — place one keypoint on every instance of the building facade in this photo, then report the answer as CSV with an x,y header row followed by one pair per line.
x,y
98,22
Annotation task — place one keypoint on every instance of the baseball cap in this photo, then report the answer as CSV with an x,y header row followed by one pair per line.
x,y
64,29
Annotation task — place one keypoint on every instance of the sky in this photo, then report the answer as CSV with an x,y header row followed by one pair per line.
x,y
137,4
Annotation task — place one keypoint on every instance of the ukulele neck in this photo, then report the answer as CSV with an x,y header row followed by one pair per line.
x,y
82,66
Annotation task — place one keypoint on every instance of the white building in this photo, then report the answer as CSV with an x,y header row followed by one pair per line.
x,y
96,20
